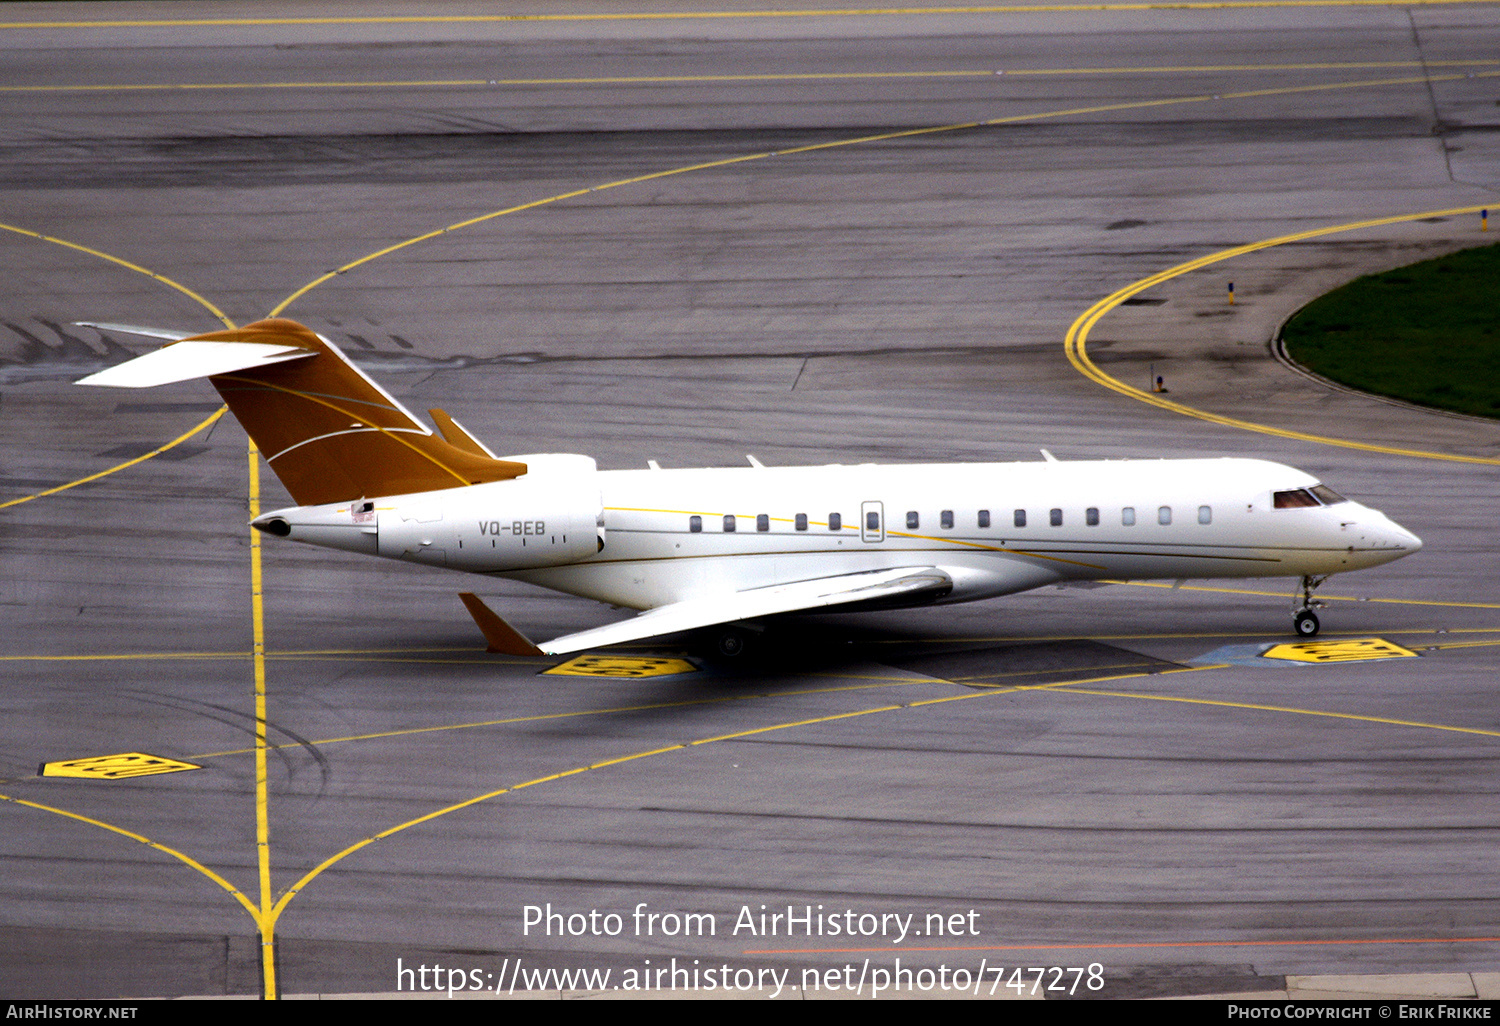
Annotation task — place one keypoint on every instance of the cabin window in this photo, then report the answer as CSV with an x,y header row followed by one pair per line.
x,y
946,518
1056,518
729,523
762,521
872,521
1164,515
801,521
1091,516
835,521
1205,514
912,520
1294,499
695,523
1328,495
1020,518
1127,516
984,518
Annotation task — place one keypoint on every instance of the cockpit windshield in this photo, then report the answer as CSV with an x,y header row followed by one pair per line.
x,y
1294,499
1317,495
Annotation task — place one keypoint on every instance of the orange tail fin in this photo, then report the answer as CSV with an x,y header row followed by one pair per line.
x,y
330,433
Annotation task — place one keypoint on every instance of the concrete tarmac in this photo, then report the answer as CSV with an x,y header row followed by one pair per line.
x,y
1105,777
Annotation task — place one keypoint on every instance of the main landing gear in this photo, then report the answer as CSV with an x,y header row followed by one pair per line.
x,y
729,643
1304,620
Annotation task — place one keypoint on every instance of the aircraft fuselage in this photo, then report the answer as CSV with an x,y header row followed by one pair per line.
x,y
645,538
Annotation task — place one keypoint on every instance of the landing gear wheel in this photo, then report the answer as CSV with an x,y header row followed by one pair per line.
x,y
731,644
1304,620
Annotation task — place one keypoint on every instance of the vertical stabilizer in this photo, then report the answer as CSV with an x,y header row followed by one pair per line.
x,y
328,431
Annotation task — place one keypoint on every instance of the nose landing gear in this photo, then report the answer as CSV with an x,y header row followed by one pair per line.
x,y
1304,620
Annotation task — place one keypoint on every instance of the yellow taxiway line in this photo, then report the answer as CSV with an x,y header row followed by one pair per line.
x,y
334,859
611,81
1075,342
791,12
858,140
266,913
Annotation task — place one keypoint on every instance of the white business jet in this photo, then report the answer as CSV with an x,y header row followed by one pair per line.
x,y
716,548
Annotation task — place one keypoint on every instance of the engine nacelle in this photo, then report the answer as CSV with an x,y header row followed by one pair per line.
x,y
528,522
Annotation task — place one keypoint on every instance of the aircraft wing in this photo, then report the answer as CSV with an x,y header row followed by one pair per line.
x,y
706,611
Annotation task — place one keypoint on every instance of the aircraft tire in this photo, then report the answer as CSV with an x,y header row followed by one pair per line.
x,y
732,643
1306,624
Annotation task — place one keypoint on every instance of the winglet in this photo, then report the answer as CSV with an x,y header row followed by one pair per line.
x,y
502,637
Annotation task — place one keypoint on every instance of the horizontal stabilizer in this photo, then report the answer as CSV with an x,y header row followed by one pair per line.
x,y
136,329
183,361
803,596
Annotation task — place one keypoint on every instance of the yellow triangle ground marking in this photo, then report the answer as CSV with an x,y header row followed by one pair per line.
x,y
1343,650
115,767
621,666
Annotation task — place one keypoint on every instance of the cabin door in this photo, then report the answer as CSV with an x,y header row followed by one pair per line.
x,y
872,522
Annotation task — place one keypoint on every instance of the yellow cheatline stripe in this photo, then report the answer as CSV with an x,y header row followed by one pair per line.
x,y
1280,709
857,140
770,77
129,266
332,860
1324,598
186,860
832,12
1075,343
120,466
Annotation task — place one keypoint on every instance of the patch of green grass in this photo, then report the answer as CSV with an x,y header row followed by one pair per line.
x,y
1428,333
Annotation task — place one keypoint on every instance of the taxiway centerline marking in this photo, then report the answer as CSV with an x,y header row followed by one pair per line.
x,y
1207,635
1281,709
681,746
481,658
854,141
1075,342
768,78
210,307
836,12
101,824
879,682
208,422
1292,596
128,266
264,920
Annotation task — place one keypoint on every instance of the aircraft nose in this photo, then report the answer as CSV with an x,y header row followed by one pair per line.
x,y
1395,536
